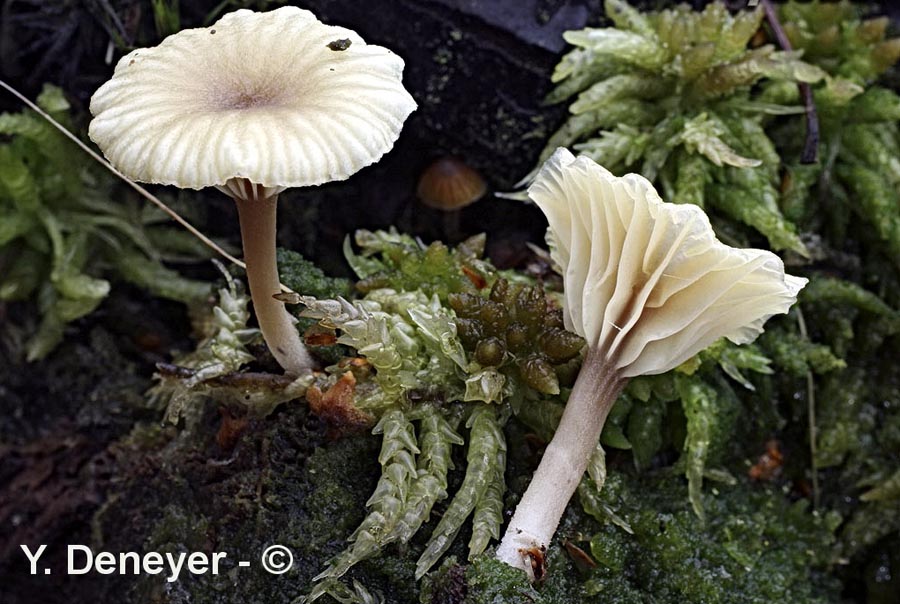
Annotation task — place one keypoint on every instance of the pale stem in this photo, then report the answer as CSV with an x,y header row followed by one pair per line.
x,y
258,216
562,465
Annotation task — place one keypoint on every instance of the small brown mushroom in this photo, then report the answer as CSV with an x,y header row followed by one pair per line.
x,y
448,184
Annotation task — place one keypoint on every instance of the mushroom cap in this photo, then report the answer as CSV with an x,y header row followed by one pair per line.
x,y
647,281
449,184
277,98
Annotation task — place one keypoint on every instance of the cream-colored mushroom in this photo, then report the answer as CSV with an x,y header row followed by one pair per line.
x,y
252,105
648,285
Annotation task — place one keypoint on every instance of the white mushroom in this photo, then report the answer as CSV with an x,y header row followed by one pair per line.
x,y
648,285
254,104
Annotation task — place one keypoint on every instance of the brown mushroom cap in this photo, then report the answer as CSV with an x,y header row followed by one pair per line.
x,y
449,184
276,98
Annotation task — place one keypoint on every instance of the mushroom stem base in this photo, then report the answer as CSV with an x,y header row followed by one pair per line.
x,y
258,218
562,465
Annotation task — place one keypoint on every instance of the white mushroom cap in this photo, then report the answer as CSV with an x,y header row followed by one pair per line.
x,y
647,281
277,98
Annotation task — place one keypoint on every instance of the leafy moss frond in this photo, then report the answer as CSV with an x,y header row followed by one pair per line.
x,y
341,593
485,465
437,436
834,36
668,94
387,505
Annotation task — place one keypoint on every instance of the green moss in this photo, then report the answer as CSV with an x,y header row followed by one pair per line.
x,y
796,355
389,259
307,279
64,237
860,172
516,330
668,94
332,507
835,36
645,432
756,546
491,582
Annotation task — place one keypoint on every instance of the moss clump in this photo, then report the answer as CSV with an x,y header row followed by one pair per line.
x,y
518,331
425,382
669,94
757,546
489,580
306,278
859,175
836,37
391,260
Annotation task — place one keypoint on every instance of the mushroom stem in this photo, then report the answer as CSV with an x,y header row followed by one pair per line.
x,y
258,217
562,465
